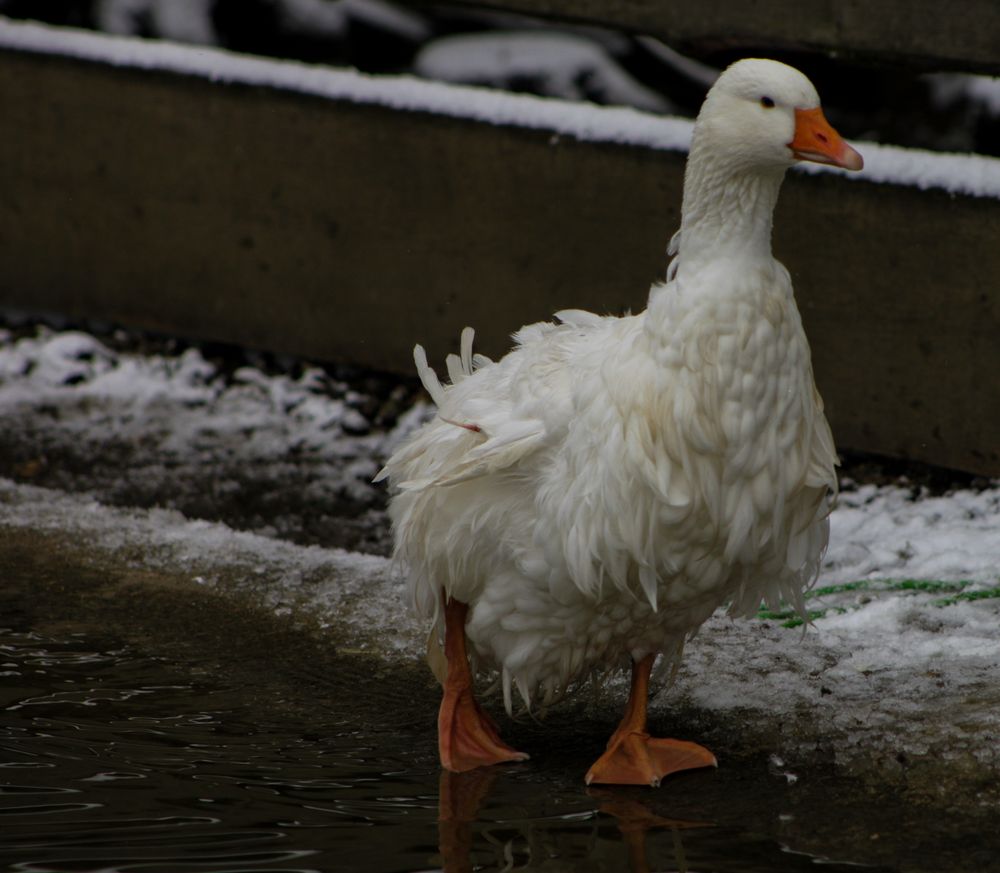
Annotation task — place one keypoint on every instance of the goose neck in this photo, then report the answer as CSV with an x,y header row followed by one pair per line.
x,y
727,210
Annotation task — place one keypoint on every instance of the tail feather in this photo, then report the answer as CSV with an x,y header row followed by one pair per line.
x,y
459,366
456,370
465,349
427,375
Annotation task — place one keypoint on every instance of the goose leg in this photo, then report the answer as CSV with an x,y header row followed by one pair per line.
x,y
633,757
467,736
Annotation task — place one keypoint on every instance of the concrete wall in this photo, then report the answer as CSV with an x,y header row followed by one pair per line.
x,y
344,232
928,33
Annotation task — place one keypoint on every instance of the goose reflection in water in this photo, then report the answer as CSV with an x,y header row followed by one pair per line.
x,y
461,796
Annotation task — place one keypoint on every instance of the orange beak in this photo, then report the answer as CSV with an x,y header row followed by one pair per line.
x,y
816,141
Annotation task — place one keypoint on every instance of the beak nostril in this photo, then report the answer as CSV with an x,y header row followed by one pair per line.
x,y
815,140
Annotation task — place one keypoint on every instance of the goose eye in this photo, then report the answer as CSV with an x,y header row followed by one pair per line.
x,y
767,102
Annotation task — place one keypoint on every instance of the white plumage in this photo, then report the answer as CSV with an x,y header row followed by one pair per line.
x,y
598,492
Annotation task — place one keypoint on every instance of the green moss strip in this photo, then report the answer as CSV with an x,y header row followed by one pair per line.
x,y
790,618
984,594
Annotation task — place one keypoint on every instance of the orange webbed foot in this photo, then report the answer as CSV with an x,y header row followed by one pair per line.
x,y
636,758
467,737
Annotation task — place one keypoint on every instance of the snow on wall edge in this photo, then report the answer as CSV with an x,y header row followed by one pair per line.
x,y
972,175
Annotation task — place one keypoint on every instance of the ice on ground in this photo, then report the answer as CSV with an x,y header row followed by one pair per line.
x,y
290,454
901,662
893,677
902,657
183,402
356,593
181,405
892,532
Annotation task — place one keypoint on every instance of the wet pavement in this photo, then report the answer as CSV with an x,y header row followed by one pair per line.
x,y
151,722
194,677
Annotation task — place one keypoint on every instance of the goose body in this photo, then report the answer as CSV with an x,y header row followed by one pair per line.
x,y
591,498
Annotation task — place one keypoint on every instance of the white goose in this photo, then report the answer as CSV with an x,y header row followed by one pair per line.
x,y
597,493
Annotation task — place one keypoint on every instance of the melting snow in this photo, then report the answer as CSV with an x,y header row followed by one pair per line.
x,y
906,617
182,404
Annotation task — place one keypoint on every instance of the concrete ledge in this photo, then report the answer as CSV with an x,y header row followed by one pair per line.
x,y
338,229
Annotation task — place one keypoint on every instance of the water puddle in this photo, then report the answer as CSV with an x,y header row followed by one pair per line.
x,y
148,724
115,760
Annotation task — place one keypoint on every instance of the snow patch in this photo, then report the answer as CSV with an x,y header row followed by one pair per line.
x,y
406,93
562,65
890,532
950,88
904,651
180,413
355,593
974,175
318,17
181,20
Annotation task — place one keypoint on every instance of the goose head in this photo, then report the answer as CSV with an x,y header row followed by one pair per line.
x,y
763,114
759,118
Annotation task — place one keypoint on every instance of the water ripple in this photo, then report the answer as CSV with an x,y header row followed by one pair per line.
x,y
120,763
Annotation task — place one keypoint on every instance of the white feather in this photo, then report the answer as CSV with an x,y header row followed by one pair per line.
x,y
601,489
427,375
